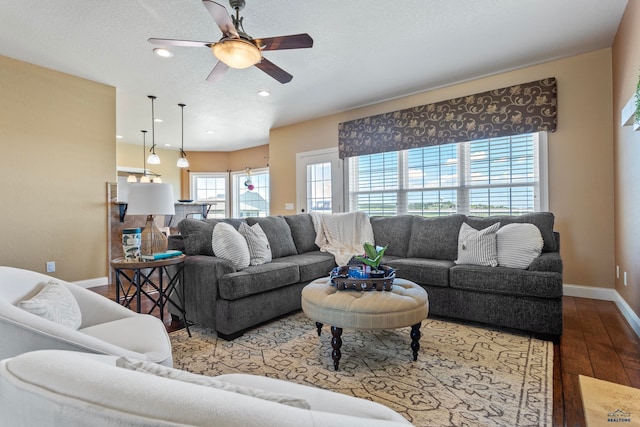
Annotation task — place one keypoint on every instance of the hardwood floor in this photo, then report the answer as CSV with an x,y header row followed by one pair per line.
x,y
597,341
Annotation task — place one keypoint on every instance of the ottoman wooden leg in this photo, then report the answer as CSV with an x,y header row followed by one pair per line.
x,y
336,343
415,337
319,326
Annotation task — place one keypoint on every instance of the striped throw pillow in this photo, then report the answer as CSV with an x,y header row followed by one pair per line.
x,y
227,243
257,242
518,245
478,247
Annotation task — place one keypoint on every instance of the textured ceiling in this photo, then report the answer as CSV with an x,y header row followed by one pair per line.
x,y
364,51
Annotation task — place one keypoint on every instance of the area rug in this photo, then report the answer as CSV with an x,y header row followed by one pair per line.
x,y
606,403
465,375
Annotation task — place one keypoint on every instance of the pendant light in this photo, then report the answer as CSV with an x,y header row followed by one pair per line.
x,y
182,161
144,177
153,158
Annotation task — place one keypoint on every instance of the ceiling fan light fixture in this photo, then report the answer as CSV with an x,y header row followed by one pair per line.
x,y
237,53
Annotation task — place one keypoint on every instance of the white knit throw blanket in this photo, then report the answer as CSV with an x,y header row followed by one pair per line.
x,y
342,234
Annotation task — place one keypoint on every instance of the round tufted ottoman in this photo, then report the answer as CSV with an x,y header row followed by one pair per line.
x,y
407,304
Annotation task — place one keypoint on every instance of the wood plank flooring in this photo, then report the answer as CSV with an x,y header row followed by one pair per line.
x,y
597,341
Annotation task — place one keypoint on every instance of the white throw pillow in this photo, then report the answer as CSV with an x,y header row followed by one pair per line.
x,y
478,247
257,242
518,245
188,377
227,243
56,303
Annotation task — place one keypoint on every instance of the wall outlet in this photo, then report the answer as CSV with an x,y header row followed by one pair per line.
x,y
288,206
51,266
625,278
617,271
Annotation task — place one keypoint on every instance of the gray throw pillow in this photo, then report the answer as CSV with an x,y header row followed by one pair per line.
x,y
278,233
435,238
518,245
303,232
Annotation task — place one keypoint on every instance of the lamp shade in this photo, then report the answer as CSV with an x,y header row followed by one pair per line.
x,y
151,199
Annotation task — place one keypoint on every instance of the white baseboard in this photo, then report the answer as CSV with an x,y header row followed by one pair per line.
x,y
92,283
605,294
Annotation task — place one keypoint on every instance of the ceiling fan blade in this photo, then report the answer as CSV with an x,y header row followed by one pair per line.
x,y
221,16
218,72
295,41
274,71
172,42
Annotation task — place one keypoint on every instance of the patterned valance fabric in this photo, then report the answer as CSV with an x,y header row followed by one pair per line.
x,y
523,108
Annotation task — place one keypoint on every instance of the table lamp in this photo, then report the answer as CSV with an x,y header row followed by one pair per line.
x,y
151,199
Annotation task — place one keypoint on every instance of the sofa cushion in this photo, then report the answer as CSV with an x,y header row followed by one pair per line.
x,y
518,245
435,238
311,264
303,232
229,244
256,279
196,234
423,271
257,242
56,303
506,281
393,232
278,233
543,220
478,247
176,374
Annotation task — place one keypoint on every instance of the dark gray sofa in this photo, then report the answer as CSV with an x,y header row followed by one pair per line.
x,y
422,250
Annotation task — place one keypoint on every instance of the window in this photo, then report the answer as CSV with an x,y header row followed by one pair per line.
x,y
251,201
211,188
319,187
499,176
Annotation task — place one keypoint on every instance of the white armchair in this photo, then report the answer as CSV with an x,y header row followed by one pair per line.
x,y
70,389
106,328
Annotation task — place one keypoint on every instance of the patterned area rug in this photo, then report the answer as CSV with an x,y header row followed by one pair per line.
x,y
465,375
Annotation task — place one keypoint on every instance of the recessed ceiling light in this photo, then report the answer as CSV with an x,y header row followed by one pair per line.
x,y
118,136
163,52
167,145
264,93
157,120
211,132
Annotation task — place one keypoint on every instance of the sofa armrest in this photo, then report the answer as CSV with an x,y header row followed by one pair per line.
x,y
547,261
176,242
201,274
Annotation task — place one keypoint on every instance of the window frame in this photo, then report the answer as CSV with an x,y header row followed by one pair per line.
x,y
541,200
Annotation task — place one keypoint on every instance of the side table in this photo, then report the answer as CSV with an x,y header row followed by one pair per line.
x,y
139,273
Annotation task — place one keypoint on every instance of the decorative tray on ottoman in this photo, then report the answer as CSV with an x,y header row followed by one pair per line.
x,y
342,281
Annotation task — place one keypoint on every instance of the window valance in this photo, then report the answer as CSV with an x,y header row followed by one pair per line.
x,y
523,108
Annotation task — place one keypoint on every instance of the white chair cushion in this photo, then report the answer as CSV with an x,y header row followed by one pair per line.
x,y
176,374
56,303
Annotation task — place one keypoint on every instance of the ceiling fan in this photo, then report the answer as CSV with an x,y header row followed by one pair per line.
x,y
236,49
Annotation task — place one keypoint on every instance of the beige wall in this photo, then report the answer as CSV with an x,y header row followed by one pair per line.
x,y
626,70
210,161
130,156
57,136
580,155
